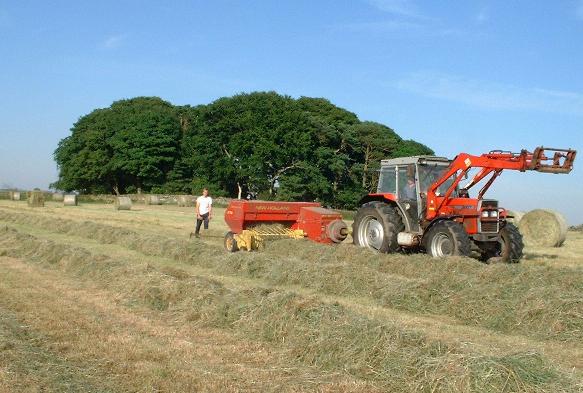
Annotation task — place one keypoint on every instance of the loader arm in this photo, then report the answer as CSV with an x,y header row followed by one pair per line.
x,y
543,159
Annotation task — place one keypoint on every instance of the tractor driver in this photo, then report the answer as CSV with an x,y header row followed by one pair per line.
x,y
410,191
409,195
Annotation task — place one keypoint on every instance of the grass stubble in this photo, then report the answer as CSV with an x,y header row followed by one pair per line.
x,y
327,335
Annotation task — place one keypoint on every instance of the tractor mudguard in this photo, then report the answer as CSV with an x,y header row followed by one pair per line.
x,y
390,199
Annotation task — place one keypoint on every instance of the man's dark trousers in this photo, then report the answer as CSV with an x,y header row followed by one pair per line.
x,y
204,218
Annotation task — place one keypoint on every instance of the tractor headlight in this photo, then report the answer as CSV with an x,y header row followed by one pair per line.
x,y
485,213
494,213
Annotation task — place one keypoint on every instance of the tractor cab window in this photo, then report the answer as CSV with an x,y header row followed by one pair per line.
x,y
387,180
406,182
429,174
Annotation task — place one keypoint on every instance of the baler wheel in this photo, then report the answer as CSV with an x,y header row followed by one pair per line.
x,y
376,226
447,238
230,242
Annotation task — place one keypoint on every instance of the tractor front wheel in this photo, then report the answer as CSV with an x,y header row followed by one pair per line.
x,y
508,249
376,226
447,238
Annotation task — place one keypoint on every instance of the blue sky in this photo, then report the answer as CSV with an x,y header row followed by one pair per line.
x,y
456,75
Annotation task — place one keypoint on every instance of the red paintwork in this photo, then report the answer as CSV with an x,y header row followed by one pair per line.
x,y
465,210
310,217
493,164
314,221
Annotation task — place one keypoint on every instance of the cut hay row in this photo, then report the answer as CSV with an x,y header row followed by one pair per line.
x,y
543,228
123,203
313,332
70,200
35,198
535,301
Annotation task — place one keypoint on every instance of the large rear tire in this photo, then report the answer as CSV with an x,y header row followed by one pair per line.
x,y
508,249
376,226
447,238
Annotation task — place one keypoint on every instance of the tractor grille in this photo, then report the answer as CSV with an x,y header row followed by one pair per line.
x,y
489,204
489,226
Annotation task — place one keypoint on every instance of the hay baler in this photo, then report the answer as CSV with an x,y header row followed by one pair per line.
x,y
252,222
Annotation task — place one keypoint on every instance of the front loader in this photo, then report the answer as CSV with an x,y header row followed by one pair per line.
x,y
420,204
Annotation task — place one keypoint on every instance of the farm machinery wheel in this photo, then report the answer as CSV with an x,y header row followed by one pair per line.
x,y
447,238
376,226
508,249
230,242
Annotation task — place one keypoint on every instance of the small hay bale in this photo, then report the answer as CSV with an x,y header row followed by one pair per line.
x,y
14,195
35,198
153,200
516,216
58,196
123,203
543,228
185,200
70,200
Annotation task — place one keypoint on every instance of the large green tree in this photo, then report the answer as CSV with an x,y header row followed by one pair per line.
x,y
131,145
263,142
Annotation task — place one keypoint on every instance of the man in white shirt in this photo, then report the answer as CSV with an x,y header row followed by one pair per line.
x,y
204,208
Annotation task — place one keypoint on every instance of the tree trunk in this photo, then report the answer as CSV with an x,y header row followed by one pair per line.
x,y
240,190
365,169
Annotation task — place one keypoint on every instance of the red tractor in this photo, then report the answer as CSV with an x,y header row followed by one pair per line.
x,y
421,206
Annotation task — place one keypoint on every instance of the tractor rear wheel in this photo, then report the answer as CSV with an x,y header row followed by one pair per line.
x,y
447,238
376,226
508,248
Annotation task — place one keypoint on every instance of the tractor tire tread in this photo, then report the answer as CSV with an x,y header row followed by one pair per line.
x,y
463,244
515,244
391,221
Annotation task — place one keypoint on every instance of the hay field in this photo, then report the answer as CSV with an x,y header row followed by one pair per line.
x,y
93,299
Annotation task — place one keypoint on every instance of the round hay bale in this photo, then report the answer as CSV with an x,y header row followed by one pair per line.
x,y
123,203
35,198
185,200
14,195
70,200
516,216
543,228
58,197
153,200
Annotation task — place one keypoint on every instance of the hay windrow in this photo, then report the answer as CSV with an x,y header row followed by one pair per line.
x,y
529,300
543,228
123,203
325,335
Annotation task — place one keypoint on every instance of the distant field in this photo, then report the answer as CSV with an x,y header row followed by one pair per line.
x,y
93,299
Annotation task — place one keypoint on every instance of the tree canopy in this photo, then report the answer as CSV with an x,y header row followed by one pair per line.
x,y
273,145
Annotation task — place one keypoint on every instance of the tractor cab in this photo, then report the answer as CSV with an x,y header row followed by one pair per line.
x,y
407,180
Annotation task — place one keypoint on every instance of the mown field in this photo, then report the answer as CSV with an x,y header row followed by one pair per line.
x,y
97,300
